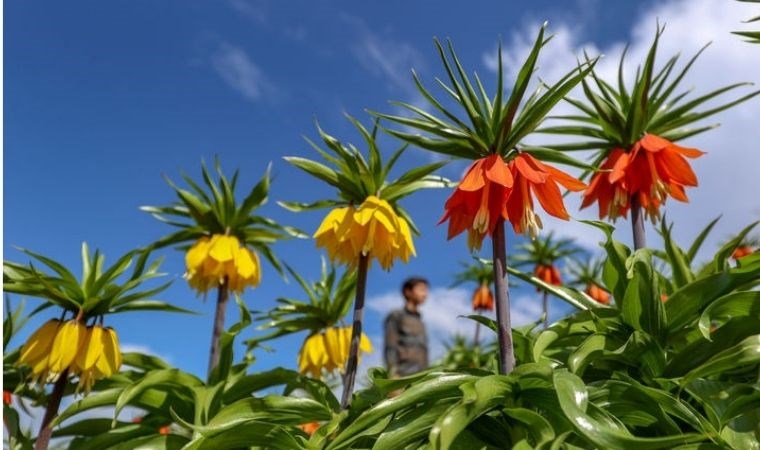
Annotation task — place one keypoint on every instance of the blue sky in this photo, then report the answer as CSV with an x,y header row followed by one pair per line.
x,y
102,98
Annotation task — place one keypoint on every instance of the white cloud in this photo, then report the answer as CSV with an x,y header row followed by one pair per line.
x,y
383,56
237,69
727,174
254,9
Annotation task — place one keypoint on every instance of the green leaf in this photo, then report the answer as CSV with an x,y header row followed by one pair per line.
x,y
737,304
478,398
746,352
149,305
273,409
642,308
599,429
570,295
684,305
315,169
410,426
700,239
260,434
159,378
298,207
438,386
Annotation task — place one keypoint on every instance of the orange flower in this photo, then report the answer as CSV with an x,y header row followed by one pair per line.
x,y
529,175
310,428
7,397
654,169
164,430
614,199
548,274
479,200
742,251
482,299
137,419
597,293
492,189
663,297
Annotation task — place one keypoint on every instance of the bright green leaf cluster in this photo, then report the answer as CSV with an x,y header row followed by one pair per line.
x,y
356,177
329,300
493,123
214,210
97,292
616,116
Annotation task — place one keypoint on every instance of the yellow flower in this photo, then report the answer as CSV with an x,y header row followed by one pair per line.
x,y
374,230
313,356
328,350
333,234
91,353
220,259
36,351
99,357
66,344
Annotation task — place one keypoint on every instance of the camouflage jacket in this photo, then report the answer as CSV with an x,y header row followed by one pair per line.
x,y
406,346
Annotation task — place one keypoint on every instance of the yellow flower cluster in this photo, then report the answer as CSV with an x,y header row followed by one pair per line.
x,y
328,350
220,259
374,229
91,353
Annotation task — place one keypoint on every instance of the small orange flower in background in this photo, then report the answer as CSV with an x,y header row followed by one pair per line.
x,y
137,419
492,189
597,293
164,430
663,297
310,428
482,299
742,251
548,274
654,169
7,398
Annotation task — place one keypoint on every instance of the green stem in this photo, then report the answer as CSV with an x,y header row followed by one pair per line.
x,y
356,332
506,351
546,309
222,295
54,402
637,222
477,334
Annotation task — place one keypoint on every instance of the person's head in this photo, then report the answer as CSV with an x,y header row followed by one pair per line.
x,y
415,290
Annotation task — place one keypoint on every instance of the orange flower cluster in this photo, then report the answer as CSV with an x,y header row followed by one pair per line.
x,y
548,274
309,428
597,293
654,169
482,299
492,190
742,251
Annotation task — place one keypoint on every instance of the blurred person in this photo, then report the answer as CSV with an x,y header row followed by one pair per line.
x,y
406,344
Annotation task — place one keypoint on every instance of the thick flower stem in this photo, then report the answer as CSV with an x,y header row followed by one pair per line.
x,y
546,309
476,340
506,351
54,402
356,332
637,222
221,310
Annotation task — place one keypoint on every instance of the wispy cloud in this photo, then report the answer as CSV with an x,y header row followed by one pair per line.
x,y
240,73
383,56
253,9
727,60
